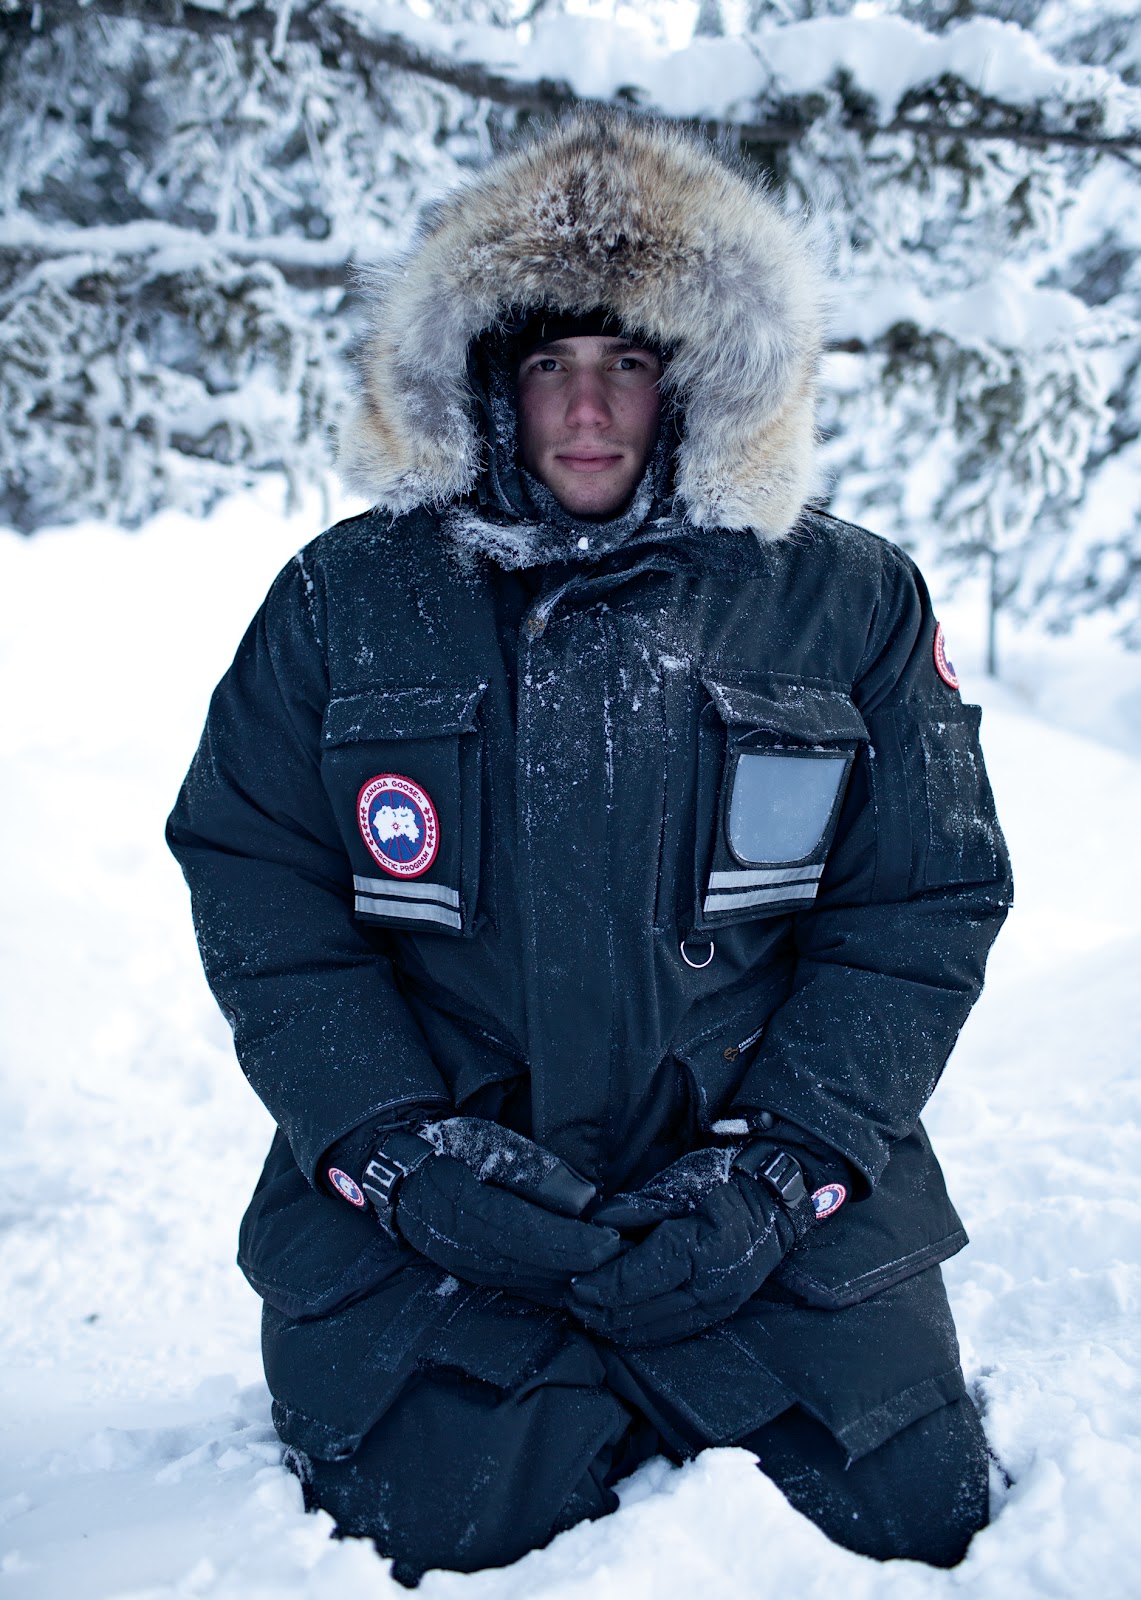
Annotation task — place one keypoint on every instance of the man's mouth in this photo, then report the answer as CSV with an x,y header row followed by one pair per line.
x,y
588,460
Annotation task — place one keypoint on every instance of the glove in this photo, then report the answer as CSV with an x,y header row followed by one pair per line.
x,y
487,1205
721,1220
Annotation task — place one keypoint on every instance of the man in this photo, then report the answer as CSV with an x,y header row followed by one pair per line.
x,y
596,863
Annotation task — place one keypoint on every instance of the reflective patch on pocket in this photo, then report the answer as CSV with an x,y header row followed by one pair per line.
x,y
781,804
761,886
417,902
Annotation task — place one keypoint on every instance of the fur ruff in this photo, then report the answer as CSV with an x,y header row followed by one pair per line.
x,y
612,210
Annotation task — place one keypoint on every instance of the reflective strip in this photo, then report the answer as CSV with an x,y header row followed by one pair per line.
x,y
410,910
753,877
407,891
760,897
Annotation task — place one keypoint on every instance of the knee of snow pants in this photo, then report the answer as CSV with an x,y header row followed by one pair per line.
x,y
462,1475
921,1496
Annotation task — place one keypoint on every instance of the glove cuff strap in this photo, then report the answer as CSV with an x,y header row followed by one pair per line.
x,y
401,1153
783,1176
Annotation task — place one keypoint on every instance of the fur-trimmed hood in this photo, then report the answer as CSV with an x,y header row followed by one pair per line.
x,y
686,250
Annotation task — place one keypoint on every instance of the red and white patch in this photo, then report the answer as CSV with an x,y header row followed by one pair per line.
x,y
942,661
828,1200
398,824
345,1187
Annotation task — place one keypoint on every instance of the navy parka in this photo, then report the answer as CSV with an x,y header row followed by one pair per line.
x,y
601,953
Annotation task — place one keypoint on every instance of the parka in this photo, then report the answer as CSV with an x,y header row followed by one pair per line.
x,y
700,823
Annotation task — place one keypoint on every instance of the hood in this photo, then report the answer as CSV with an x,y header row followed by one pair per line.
x,y
605,210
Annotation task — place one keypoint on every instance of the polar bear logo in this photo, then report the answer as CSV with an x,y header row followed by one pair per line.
x,y
396,822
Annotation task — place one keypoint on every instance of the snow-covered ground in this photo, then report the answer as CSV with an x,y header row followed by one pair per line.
x,y
136,1454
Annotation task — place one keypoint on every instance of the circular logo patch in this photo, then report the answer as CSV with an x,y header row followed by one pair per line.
x,y
942,661
828,1199
399,825
345,1187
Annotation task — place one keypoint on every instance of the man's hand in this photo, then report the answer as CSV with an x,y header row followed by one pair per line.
x,y
488,1206
722,1220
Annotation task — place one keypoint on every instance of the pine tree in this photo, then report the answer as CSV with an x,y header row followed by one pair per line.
x,y
179,214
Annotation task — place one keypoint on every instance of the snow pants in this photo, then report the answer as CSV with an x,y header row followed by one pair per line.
x,y
462,1474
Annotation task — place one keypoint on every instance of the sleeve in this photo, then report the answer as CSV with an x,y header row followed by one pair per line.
x,y
891,958
320,1029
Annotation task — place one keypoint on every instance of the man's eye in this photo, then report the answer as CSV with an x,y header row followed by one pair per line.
x,y
547,364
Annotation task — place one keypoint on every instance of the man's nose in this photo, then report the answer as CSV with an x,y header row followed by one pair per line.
x,y
587,403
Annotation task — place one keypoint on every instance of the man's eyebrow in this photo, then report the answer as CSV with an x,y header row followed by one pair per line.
x,y
628,344
565,347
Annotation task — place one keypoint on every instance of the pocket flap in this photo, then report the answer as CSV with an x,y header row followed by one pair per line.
x,y
417,713
804,712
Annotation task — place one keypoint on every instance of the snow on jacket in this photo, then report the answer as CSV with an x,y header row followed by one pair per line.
x,y
588,733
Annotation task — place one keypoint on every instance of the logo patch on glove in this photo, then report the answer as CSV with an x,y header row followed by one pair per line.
x,y
942,661
829,1199
398,824
345,1187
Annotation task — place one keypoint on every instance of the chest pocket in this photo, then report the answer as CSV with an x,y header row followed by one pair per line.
x,y
774,760
403,771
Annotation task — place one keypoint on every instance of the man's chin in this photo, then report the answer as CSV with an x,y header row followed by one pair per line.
x,y
589,498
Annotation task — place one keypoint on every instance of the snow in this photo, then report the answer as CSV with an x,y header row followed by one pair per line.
x,y
137,1460
175,248
1007,310
883,55
886,56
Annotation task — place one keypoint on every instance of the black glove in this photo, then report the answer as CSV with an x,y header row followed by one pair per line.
x,y
487,1205
722,1219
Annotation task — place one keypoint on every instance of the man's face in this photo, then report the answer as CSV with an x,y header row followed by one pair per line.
x,y
588,420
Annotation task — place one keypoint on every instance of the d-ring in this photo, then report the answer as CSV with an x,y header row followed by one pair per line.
x,y
697,965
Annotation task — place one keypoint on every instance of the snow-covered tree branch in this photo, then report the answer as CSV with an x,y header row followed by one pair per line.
x,y
951,102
